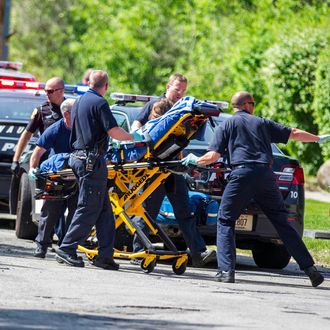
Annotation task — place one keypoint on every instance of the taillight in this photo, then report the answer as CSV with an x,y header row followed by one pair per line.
x,y
291,174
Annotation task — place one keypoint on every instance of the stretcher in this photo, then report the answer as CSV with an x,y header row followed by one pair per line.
x,y
135,170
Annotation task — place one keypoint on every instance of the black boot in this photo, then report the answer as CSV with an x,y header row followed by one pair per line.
x,y
105,263
314,275
225,277
69,259
40,252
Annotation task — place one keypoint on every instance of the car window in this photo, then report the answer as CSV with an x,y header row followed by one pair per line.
x,y
17,108
122,120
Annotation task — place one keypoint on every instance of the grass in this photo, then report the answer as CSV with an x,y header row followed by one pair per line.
x,y
317,216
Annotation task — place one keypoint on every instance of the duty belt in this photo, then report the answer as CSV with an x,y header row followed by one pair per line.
x,y
250,165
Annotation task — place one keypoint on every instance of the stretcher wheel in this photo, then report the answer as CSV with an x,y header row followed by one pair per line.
x,y
181,269
148,268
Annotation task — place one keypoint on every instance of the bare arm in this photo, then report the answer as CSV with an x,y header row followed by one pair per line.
x,y
302,136
36,155
22,142
209,158
119,134
136,125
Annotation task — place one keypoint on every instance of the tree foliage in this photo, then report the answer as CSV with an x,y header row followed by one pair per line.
x,y
278,50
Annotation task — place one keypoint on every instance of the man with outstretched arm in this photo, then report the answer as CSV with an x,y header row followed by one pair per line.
x,y
246,139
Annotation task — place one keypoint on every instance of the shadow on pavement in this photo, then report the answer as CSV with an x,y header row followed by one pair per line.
x,y
39,319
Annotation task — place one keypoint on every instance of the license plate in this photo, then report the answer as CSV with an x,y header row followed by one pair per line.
x,y
244,222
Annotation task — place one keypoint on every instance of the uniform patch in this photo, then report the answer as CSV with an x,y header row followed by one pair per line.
x,y
34,113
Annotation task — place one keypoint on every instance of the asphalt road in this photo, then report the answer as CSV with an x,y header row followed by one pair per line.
x,y
42,294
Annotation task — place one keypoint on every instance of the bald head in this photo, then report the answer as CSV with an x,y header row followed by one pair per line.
x,y
98,79
243,101
54,83
54,90
240,98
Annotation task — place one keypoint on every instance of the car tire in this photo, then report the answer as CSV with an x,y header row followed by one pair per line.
x,y
268,255
24,227
123,239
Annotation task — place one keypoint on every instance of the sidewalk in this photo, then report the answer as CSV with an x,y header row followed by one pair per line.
x,y
318,195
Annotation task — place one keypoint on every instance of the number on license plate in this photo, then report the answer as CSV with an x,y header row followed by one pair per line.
x,y
244,222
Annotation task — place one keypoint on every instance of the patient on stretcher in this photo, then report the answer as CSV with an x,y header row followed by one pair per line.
x,y
166,125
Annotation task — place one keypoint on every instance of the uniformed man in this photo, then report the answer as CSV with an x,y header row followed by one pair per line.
x,y
247,140
175,186
41,118
56,139
92,123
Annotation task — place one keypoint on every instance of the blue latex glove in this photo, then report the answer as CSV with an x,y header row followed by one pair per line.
x,y
33,172
138,136
191,159
324,138
115,144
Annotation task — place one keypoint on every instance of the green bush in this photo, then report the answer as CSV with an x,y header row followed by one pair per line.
x,y
289,72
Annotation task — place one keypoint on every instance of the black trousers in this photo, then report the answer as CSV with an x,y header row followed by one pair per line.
x,y
93,209
260,184
179,199
52,212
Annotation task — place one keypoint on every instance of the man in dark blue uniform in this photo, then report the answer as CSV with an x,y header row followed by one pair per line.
x,y
247,141
175,187
41,118
92,123
56,139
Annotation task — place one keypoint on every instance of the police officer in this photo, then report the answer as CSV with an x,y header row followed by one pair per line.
x,y
92,123
41,118
178,196
247,139
56,139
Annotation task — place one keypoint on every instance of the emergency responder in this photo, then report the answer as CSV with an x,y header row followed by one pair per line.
x,y
85,77
56,139
41,118
92,123
247,139
175,186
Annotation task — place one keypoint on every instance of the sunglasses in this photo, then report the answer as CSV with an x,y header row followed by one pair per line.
x,y
51,91
248,103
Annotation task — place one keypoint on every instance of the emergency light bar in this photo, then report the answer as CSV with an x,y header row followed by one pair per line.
x,y
76,89
219,104
122,97
19,84
11,65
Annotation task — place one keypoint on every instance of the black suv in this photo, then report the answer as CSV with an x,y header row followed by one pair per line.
x,y
253,230
20,93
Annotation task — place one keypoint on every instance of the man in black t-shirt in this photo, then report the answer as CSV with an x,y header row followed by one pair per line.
x,y
41,118
92,123
246,139
175,187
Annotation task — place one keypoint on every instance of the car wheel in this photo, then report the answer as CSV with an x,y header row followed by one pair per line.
x,y
268,255
25,228
123,239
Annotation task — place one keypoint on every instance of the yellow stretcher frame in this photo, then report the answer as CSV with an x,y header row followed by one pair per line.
x,y
131,181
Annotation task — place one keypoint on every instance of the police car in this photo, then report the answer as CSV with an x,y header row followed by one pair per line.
x,y
253,229
20,93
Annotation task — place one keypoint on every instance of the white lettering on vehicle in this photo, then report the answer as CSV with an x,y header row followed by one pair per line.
x,y
20,130
2,127
294,194
10,129
8,146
